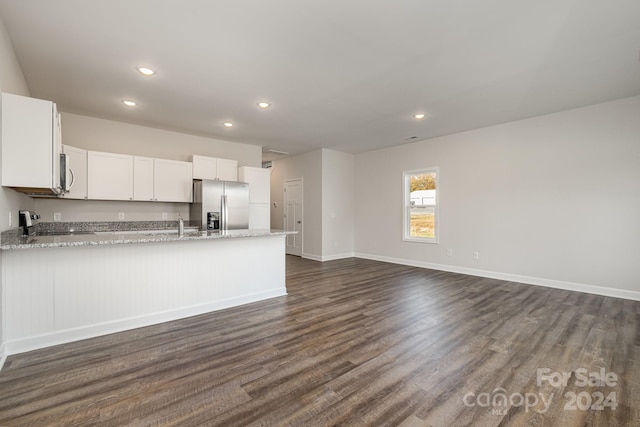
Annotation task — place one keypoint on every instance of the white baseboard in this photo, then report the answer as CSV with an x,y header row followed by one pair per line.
x,y
311,256
90,331
549,283
3,355
328,257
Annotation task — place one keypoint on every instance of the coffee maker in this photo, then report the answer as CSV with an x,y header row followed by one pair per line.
x,y
25,220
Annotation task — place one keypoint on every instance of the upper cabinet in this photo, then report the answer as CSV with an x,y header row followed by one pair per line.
x,y
227,170
259,183
110,176
77,170
173,181
143,179
214,168
31,162
161,180
113,176
31,145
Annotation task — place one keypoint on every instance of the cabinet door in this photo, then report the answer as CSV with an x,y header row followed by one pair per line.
x,y
259,181
227,170
57,146
259,216
78,171
29,150
110,176
204,167
173,181
143,178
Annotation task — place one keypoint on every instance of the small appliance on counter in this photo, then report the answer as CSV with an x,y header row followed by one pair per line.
x,y
25,220
220,205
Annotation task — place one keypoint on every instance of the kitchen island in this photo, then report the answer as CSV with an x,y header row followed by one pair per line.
x,y
63,288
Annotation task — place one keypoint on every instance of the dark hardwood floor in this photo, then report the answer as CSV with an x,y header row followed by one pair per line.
x,y
355,342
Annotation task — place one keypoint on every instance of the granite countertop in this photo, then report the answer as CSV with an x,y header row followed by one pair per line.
x,y
10,241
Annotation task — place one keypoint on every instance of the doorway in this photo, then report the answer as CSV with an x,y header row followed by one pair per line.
x,y
293,193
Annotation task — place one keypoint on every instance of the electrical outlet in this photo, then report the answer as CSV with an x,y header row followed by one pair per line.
x,y
120,215
57,216
164,215
476,255
449,252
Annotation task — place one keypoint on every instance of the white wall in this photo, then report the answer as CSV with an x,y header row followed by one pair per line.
x,y
307,166
553,200
117,137
12,81
337,204
104,210
328,201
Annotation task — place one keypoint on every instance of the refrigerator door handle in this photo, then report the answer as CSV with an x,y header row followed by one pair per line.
x,y
223,212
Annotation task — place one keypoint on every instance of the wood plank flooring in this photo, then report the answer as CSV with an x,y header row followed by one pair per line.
x,y
355,342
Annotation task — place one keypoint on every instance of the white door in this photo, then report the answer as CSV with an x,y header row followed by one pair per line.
x,y
293,215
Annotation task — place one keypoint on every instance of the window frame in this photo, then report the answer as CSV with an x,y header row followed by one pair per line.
x,y
406,208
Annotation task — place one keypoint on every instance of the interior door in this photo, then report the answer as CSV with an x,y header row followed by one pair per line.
x,y
293,215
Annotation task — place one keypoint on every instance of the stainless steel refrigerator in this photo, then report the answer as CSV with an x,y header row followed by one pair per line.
x,y
220,205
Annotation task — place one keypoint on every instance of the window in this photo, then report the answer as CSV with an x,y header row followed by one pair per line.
x,y
420,206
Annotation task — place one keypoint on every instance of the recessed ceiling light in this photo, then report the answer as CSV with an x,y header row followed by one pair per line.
x,y
228,124
146,71
129,103
418,116
264,105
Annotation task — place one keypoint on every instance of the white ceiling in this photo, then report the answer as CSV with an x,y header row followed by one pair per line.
x,y
341,74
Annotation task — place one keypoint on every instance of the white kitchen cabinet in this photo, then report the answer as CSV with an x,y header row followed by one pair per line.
x,y
31,145
173,181
204,167
227,170
259,216
77,158
162,180
259,180
143,179
109,176
214,168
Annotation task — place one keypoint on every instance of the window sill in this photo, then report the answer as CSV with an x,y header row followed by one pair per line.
x,y
420,240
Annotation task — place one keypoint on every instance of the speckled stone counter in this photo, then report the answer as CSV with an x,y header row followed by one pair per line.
x,y
10,241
